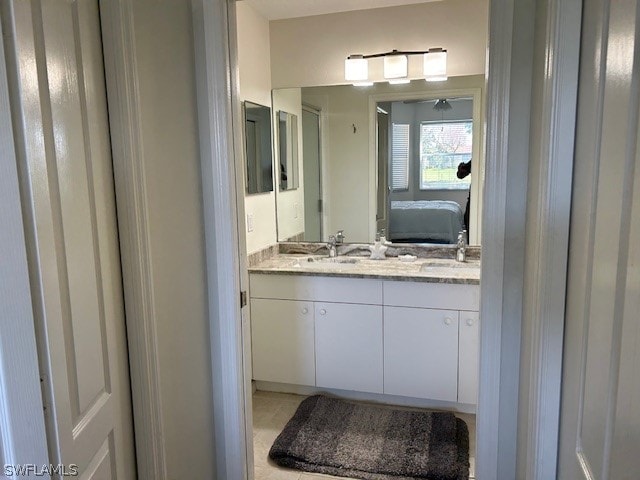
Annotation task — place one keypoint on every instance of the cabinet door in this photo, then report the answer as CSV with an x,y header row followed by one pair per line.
x,y
421,353
282,341
469,359
349,346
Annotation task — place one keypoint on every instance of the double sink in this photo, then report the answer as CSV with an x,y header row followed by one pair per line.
x,y
348,263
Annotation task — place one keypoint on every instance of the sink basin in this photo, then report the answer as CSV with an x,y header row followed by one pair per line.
x,y
333,260
329,264
446,264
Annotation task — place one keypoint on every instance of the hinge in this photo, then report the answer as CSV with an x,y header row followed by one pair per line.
x,y
243,298
319,205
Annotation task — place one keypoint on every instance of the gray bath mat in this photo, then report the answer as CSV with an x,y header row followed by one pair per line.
x,y
331,436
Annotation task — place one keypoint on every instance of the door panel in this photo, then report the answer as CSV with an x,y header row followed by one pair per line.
x,y
421,353
382,145
312,176
600,430
283,341
349,346
74,254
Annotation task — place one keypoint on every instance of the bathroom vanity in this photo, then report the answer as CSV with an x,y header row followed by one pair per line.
x,y
376,327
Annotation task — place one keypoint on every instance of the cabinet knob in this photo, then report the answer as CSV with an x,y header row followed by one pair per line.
x,y
447,321
470,321
305,310
323,311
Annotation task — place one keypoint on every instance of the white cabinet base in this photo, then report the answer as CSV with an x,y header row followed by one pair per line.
x,y
421,353
363,337
468,357
282,333
349,346
387,399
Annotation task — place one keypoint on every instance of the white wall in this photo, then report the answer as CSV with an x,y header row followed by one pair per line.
x,y
290,203
310,51
254,61
348,173
166,69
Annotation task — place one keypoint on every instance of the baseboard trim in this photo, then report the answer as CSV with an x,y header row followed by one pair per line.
x,y
365,396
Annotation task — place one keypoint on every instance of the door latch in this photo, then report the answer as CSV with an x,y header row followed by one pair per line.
x,y
243,298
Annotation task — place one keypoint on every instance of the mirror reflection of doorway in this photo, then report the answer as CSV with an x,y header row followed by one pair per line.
x,y
382,142
312,172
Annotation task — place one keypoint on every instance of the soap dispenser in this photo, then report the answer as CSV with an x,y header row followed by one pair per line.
x,y
461,252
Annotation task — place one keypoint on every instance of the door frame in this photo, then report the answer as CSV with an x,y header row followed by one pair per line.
x,y
23,438
318,112
509,95
508,109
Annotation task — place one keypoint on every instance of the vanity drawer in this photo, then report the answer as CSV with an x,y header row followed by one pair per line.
x,y
316,288
432,295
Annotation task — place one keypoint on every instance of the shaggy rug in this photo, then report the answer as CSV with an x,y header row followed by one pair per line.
x,y
335,437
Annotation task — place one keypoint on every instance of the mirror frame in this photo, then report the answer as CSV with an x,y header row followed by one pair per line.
x,y
477,174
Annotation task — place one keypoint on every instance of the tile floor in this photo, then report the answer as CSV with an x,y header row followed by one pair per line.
x,y
272,411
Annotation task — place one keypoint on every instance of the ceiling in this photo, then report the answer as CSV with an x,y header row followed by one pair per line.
x,y
280,9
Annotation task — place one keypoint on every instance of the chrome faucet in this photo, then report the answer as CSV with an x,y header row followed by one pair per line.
x,y
461,252
331,246
340,237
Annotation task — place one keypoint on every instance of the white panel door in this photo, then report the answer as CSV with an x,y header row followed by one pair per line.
x,y
74,256
349,346
421,353
312,172
282,338
468,357
600,414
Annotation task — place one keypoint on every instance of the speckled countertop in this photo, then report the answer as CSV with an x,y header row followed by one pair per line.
x,y
432,270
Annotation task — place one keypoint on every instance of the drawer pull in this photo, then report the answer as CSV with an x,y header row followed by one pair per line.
x,y
447,321
470,321
323,311
305,310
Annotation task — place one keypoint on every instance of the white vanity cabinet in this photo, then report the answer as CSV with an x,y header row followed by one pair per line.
x,y
421,353
283,341
405,338
469,343
349,346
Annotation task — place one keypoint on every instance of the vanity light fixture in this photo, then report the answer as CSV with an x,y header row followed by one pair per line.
x,y
435,65
356,68
396,66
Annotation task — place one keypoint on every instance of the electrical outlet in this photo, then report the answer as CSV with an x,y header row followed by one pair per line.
x,y
249,222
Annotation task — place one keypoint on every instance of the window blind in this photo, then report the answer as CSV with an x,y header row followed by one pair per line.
x,y
400,156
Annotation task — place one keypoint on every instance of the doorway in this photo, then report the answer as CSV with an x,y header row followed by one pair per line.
x,y
312,158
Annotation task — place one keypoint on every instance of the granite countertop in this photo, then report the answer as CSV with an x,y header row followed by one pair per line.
x,y
432,270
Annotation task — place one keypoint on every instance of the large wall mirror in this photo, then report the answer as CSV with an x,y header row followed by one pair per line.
x,y
392,158
258,148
